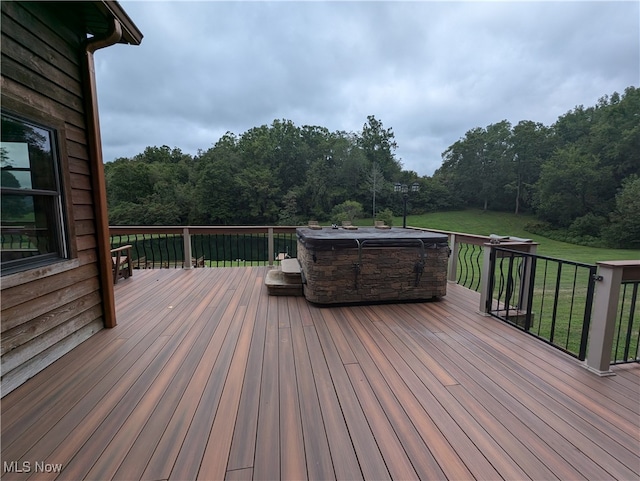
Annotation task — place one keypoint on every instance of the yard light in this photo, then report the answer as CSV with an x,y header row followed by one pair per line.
x,y
404,189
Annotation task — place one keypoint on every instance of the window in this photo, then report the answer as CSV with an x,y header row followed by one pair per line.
x,y
32,208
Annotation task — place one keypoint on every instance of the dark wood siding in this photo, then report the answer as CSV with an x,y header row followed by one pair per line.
x,y
48,311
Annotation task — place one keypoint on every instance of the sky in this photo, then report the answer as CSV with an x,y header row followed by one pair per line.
x,y
430,71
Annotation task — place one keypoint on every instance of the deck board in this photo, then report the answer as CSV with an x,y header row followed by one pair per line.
x,y
267,456
318,454
208,377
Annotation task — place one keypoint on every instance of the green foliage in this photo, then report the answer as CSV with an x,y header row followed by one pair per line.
x,y
474,221
128,181
568,186
569,236
624,230
386,216
13,207
571,175
378,145
349,210
589,225
289,212
562,173
270,174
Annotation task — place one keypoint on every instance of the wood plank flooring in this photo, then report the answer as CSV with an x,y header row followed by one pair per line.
x,y
207,377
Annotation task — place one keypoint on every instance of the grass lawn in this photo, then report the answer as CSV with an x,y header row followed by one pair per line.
x,y
504,223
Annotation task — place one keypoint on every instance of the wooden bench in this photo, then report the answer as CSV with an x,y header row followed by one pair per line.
x,y
121,263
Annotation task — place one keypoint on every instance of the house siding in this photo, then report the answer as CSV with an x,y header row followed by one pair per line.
x,y
48,311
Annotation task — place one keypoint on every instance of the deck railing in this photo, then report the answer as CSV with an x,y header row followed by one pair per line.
x,y
173,247
545,297
465,261
613,336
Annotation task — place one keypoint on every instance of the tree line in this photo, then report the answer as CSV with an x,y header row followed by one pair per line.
x,y
579,176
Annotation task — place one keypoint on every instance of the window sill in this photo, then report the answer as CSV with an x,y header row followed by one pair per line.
x,y
39,272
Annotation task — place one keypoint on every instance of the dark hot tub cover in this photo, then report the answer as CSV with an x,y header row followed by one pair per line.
x,y
328,238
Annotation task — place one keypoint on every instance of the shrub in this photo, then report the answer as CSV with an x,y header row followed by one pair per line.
x,y
386,216
349,210
589,225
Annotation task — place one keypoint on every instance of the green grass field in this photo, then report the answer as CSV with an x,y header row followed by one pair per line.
x,y
504,223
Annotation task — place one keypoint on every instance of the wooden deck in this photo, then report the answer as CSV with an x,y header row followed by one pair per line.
x,y
207,377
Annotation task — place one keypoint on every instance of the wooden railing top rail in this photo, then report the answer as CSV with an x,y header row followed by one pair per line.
x,y
461,237
199,229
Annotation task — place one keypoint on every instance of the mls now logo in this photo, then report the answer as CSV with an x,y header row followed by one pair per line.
x,y
28,467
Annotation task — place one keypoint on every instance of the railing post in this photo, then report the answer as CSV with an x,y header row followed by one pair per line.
x,y
270,246
485,278
186,238
603,317
452,275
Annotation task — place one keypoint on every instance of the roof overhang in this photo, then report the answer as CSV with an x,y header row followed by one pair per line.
x,y
97,16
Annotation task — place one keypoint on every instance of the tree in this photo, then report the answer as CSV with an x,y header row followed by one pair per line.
x,y
128,181
568,186
375,180
478,168
215,199
317,188
495,164
464,171
290,158
532,144
625,219
289,211
379,145
433,196
257,192
569,173
615,135
13,207
164,154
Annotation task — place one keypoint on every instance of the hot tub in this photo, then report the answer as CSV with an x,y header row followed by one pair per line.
x,y
371,265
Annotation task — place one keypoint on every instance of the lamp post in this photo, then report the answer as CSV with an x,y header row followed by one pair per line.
x,y
404,189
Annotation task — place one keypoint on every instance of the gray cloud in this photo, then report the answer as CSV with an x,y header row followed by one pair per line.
x,y
429,70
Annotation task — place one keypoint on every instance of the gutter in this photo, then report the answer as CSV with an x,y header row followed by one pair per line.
x,y
130,32
97,168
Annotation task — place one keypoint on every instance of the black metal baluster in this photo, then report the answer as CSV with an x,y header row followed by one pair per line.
x,y
544,291
478,256
462,259
573,296
555,303
532,282
632,309
586,322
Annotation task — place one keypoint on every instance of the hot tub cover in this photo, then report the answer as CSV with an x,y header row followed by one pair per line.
x,y
328,238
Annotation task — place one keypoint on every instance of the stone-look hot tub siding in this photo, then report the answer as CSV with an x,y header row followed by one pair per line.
x,y
379,273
